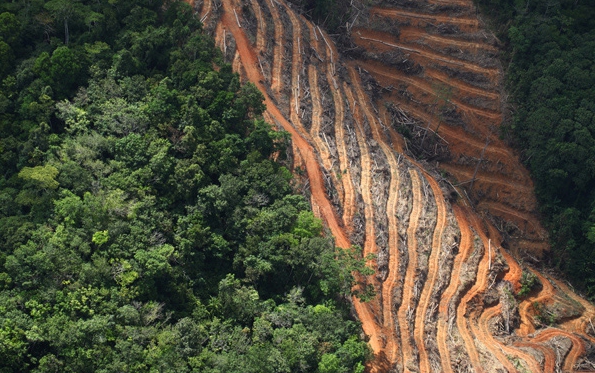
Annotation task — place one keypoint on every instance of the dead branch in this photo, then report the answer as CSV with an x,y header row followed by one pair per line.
x,y
237,20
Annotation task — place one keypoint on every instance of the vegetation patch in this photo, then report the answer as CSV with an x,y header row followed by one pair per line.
x,y
147,220
550,53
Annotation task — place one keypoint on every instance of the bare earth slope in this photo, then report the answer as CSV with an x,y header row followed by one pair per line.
x,y
445,286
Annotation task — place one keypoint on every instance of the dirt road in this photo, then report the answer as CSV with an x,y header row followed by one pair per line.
x,y
438,323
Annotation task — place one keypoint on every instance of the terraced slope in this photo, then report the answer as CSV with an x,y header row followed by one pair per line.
x,y
445,286
440,68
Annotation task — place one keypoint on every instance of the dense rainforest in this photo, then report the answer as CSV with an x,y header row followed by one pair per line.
x,y
148,221
550,69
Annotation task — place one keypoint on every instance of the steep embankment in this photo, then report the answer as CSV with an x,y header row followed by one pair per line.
x,y
445,286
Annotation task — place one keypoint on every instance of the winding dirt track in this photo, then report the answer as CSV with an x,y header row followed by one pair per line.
x,y
549,356
261,30
433,269
427,90
361,159
408,286
474,90
316,115
422,53
277,50
465,248
503,183
250,62
581,324
366,188
321,203
389,284
349,194
415,35
501,350
514,215
296,65
460,21
527,325
461,142
461,86
577,349
462,3
479,285
514,273
345,177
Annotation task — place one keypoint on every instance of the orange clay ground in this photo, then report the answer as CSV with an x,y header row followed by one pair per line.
x,y
445,286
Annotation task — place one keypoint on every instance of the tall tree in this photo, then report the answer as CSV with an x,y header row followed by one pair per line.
x,y
65,10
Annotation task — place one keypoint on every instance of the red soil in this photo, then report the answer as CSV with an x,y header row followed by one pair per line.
x,y
506,193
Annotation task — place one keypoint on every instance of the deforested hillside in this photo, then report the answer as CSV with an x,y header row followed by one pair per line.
x,y
441,87
395,138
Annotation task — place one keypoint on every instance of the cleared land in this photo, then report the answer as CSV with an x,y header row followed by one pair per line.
x,y
445,285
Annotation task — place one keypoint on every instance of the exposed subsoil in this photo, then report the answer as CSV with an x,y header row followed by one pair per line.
x,y
445,287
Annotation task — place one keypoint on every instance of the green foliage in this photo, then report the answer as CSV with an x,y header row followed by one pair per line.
x,y
40,176
543,316
551,49
517,363
144,225
528,282
6,59
9,28
329,363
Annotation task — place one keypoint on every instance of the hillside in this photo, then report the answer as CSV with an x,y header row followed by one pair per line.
x,y
149,221
395,133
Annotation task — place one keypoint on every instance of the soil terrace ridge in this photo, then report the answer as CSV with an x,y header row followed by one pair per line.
x,y
420,79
